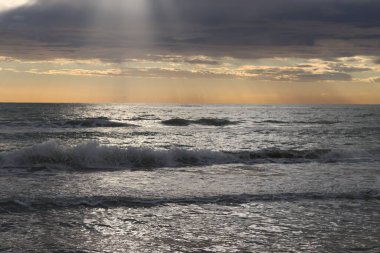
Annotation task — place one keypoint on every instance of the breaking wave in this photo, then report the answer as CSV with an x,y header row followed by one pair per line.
x,y
22,205
92,156
202,121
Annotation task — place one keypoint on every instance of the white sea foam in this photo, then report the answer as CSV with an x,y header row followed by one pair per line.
x,y
94,155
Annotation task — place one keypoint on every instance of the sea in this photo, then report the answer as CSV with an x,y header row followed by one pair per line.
x,y
189,178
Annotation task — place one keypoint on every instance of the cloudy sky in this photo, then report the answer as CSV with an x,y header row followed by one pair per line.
x,y
190,51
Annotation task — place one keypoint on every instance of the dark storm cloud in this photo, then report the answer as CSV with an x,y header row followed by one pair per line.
x,y
236,28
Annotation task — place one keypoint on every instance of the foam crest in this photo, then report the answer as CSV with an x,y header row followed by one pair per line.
x,y
92,155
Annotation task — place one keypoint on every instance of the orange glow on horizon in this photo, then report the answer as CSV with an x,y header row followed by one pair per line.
x,y
102,90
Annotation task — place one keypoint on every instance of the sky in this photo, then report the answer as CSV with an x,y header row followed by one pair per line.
x,y
190,51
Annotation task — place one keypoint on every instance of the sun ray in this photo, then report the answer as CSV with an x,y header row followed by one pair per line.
x,y
6,5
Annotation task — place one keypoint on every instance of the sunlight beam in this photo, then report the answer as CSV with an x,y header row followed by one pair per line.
x,y
6,5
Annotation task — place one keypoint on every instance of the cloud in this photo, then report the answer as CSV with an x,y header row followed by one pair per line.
x,y
76,72
133,72
196,59
171,66
202,60
293,74
318,40
116,30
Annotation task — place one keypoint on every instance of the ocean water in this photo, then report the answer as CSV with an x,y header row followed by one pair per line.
x,y
170,178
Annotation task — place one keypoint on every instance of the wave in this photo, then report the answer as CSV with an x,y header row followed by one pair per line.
x,y
273,121
364,115
94,122
144,117
202,121
72,123
14,205
316,122
176,122
92,156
